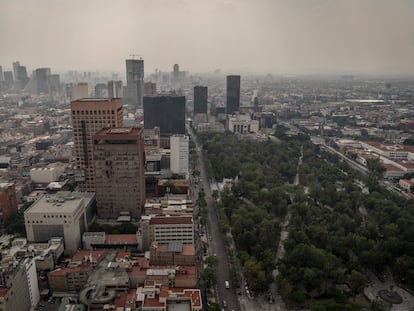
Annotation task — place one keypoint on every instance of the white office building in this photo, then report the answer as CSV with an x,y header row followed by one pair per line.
x,y
65,214
179,145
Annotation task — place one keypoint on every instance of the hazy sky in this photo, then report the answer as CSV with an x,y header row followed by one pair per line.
x,y
276,36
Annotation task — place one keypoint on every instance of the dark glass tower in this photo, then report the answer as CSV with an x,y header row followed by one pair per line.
x,y
233,94
166,112
200,99
135,83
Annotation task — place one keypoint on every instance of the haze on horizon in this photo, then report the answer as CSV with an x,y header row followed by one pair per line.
x,y
263,36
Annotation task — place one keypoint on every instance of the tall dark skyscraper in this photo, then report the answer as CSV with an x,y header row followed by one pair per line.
x,y
1,73
135,84
200,99
233,94
166,112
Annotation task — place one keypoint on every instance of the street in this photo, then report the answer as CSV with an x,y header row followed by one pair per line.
x,y
216,240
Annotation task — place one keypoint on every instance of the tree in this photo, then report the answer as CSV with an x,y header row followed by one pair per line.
x,y
209,275
376,168
357,281
211,261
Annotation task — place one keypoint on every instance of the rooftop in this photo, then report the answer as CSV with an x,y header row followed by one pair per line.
x,y
121,239
171,220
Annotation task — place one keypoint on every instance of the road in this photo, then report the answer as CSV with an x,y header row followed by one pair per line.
x,y
216,240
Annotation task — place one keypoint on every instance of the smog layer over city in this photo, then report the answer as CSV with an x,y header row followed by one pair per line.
x,y
178,155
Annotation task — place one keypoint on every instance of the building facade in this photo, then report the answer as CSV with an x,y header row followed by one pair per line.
x,y
119,161
15,294
88,117
233,94
242,123
179,145
8,202
166,112
167,229
200,99
150,88
115,89
135,84
66,214
80,90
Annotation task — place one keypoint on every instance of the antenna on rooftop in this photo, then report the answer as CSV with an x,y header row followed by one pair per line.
x,y
135,55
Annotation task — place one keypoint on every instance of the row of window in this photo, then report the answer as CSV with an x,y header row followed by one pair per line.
x,y
41,222
92,112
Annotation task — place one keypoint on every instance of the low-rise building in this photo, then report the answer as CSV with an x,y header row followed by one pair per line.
x,y
242,123
64,214
154,296
167,229
101,240
174,253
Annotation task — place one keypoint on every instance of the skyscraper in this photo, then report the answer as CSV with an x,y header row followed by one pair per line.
x,y
114,89
200,99
22,76
135,84
179,154
1,73
8,77
90,115
233,94
38,83
80,90
101,90
150,88
16,66
119,172
166,112
53,82
8,202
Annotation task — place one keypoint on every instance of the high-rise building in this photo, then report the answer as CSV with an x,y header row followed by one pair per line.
x,y
176,72
101,90
233,94
53,82
135,84
1,73
42,79
200,99
179,154
119,162
89,115
166,112
16,66
8,77
38,83
150,88
80,90
115,89
22,76
8,202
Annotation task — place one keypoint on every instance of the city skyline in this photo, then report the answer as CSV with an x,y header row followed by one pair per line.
x,y
309,37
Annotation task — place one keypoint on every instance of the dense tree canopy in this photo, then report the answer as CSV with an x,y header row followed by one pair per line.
x,y
335,232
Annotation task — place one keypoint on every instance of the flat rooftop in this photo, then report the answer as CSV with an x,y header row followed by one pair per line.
x,y
61,202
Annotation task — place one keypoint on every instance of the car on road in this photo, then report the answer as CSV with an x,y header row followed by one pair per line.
x,y
224,304
227,284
